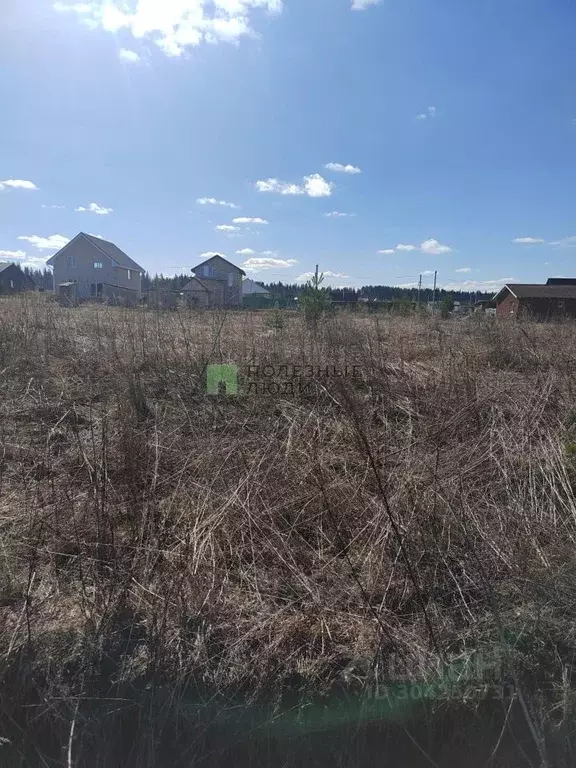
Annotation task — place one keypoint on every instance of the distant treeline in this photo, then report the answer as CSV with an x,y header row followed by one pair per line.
x,y
379,293
289,291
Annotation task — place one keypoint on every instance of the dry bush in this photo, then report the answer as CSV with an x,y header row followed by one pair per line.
x,y
258,546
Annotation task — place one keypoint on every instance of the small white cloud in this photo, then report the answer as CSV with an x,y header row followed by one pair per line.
x,y
249,220
327,274
429,114
387,251
260,263
463,269
245,252
126,55
17,184
528,240
214,201
316,186
209,254
61,207
12,255
407,248
226,228
339,168
313,186
50,243
94,208
283,187
361,5
434,248
339,215
566,242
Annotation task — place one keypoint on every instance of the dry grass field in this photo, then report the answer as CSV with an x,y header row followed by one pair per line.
x,y
161,547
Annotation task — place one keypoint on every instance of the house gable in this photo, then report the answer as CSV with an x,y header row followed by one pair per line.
x,y
218,264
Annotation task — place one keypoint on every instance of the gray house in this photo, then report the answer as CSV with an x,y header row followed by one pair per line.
x,y
13,279
222,280
89,267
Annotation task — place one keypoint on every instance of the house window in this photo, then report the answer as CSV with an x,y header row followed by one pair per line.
x,y
96,289
11,283
208,271
129,275
98,265
230,279
71,261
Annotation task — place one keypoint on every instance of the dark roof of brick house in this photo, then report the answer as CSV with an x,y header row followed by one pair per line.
x,y
537,291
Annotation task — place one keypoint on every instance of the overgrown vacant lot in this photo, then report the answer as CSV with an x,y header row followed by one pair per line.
x,y
157,539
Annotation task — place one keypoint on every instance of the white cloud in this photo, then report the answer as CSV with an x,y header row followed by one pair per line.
x,y
428,247
316,186
434,248
327,274
50,243
61,207
126,55
361,5
226,228
213,201
528,240
209,254
11,255
430,113
17,184
173,25
478,285
566,242
260,263
313,186
249,220
339,168
94,208
245,252
283,187
339,214
463,269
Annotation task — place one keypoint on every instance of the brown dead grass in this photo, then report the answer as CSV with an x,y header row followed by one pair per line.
x,y
364,531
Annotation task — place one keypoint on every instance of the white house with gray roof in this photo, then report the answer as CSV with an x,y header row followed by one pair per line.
x,y
89,267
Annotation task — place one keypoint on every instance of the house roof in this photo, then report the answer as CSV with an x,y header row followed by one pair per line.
x,y
5,264
249,287
217,255
561,281
531,291
187,287
109,249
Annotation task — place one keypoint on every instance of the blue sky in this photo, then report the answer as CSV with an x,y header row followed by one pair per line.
x,y
445,127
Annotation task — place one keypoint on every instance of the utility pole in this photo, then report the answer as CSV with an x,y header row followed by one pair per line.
x,y
419,288
434,293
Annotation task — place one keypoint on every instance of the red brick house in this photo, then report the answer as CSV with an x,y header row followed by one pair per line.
x,y
556,299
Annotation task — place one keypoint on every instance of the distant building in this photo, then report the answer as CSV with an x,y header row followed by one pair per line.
x,y
250,288
556,299
89,267
221,279
13,279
